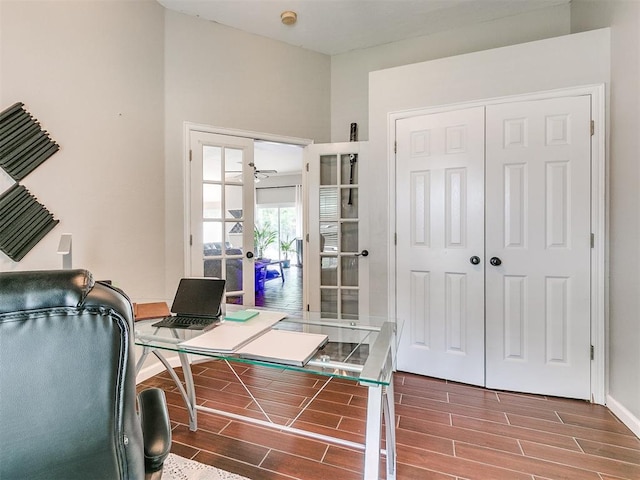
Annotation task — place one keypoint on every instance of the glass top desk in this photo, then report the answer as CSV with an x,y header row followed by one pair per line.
x,y
362,350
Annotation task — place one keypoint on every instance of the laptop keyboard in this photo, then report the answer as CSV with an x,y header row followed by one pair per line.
x,y
195,323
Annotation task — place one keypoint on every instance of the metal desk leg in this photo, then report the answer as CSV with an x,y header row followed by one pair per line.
x,y
389,413
373,436
188,395
191,391
143,357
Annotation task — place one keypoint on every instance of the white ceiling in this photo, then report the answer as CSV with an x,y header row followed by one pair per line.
x,y
338,26
285,159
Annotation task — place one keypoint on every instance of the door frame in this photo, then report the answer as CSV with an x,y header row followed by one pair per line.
x,y
599,213
190,127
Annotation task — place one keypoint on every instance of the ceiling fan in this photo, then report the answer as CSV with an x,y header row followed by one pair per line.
x,y
261,174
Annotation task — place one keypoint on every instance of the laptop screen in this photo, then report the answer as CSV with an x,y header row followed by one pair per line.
x,y
199,297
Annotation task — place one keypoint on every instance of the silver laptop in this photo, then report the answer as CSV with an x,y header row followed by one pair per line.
x,y
196,305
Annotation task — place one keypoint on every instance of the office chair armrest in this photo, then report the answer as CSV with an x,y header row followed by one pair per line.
x,y
156,428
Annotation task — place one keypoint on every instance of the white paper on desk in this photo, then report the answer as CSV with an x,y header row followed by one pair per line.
x,y
284,346
229,336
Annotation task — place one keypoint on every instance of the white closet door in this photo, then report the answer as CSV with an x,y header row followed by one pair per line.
x,y
538,229
440,237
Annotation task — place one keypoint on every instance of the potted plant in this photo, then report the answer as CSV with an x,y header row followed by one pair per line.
x,y
287,246
263,237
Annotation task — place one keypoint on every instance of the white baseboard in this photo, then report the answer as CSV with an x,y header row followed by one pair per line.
x,y
624,415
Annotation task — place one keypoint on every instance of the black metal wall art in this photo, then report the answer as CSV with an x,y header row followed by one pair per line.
x,y
23,147
23,144
23,222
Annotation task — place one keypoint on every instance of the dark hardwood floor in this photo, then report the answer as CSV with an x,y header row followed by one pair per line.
x,y
284,297
444,430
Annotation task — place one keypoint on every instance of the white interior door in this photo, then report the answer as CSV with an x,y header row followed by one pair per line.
x,y
538,227
530,289
440,243
221,212
337,261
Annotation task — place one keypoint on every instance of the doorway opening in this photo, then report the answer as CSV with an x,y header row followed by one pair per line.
x,y
279,225
227,170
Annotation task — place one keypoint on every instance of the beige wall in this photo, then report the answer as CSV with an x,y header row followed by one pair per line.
x,y
92,74
624,181
219,76
555,63
350,71
113,81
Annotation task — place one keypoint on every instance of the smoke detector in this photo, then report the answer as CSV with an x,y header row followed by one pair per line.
x,y
288,17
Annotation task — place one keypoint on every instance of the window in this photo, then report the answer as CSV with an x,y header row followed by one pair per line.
x,y
281,219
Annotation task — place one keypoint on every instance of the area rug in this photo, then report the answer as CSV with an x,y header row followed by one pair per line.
x,y
178,468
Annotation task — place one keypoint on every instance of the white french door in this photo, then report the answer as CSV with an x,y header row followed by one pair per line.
x,y
221,212
337,262
493,250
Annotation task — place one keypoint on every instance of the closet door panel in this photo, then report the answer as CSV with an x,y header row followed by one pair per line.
x,y
538,225
440,186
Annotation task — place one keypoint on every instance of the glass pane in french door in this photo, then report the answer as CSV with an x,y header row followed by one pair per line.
x,y
222,212
338,227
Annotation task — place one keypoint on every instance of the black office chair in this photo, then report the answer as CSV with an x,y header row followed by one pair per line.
x,y
67,383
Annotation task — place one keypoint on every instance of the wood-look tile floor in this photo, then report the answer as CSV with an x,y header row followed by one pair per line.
x,y
283,296
444,430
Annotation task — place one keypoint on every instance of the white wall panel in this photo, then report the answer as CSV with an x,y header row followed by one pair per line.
x,y
515,205
516,133
556,317
455,140
557,130
421,208
557,204
420,143
420,286
515,295
455,311
455,205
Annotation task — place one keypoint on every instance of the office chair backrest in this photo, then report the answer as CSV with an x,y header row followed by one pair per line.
x,y
67,379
